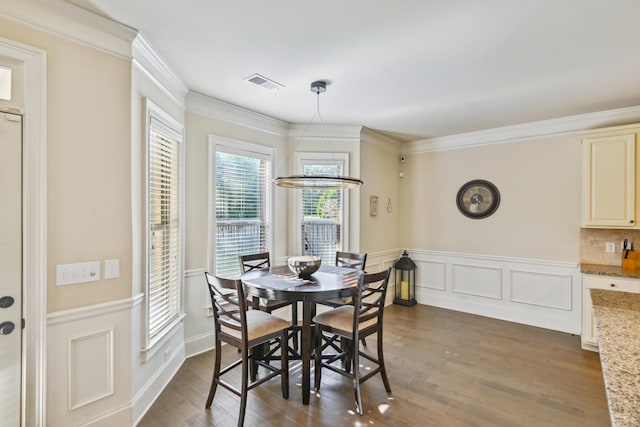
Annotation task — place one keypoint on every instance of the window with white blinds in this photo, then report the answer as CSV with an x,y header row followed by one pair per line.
x,y
164,241
322,222
242,200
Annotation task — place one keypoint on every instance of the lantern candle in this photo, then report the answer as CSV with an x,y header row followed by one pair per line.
x,y
404,290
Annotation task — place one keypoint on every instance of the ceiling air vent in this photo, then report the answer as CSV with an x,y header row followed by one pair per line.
x,y
264,82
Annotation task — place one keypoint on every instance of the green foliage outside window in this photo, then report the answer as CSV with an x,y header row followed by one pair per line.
x,y
238,187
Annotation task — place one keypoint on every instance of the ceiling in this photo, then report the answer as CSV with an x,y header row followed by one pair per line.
x,y
413,69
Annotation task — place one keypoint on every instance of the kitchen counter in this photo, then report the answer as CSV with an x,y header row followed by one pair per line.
x,y
609,270
617,321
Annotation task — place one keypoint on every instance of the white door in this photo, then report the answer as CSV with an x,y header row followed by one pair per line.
x,y
10,269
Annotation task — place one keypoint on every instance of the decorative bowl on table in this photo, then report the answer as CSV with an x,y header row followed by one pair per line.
x,y
304,266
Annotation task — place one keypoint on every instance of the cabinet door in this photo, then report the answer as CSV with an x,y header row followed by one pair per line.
x,y
609,181
588,339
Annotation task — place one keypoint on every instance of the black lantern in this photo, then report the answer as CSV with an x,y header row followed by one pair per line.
x,y
405,284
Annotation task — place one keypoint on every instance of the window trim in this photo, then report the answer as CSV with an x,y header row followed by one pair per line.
x,y
301,158
168,124
243,148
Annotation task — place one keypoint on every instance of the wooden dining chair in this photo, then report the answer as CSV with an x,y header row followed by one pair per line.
x,y
245,330
262,260
350,260
353,322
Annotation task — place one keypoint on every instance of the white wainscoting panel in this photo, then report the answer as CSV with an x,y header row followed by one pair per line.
x,y
89,365
198,323
534,292
90,353
433,275
477,280
541,289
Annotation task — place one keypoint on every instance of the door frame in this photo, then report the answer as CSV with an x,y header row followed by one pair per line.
x,y
34,226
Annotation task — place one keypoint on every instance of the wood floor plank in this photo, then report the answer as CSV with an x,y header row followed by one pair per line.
x,y
446,368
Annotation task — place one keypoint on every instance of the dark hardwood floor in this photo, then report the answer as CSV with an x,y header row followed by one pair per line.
x,y
446,369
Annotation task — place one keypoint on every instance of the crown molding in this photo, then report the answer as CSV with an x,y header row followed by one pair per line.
x,y
148,60
313,132
71,22
207,106
526,131
380,141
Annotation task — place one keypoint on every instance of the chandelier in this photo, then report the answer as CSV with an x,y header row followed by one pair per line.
x,y
318,181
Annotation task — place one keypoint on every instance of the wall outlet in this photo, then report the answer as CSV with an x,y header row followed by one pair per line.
x,y
610,247
111,268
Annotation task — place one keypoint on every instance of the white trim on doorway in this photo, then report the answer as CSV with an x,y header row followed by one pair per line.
x,y
34,189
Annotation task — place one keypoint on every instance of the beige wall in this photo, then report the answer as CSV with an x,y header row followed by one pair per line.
x,y
539,213
379,169
88,161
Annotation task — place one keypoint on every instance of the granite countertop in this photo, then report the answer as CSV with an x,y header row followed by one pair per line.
x,y
609,270
617,321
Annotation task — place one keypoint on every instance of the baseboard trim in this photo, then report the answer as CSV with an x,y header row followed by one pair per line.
x,y
509,314
200,344
156,384
117,417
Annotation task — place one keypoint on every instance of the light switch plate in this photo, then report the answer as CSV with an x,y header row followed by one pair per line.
x,y
610,247
69,274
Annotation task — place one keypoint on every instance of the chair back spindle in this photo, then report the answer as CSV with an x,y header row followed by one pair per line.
x,y
253,261
351,260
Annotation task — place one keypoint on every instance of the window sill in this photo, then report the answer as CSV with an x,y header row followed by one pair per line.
x,y
163,338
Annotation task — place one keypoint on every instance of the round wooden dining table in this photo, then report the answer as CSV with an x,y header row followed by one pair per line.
x,y
279,283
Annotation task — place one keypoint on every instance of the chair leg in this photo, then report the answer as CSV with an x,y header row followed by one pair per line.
x,y
318,362
244,386
383,369
257,353
294,321
355,351
348,348
284,364
216,374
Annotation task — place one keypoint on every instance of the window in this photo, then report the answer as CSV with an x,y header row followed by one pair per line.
x,y
5,83
164,223
323,211
242,203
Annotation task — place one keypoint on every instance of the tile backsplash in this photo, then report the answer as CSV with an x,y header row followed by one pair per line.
x,y
593,240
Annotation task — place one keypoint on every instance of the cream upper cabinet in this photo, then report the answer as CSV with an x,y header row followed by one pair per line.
x,y
609,183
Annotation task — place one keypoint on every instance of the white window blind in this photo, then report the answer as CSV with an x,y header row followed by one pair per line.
x,y
164,228
243,187
321,226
